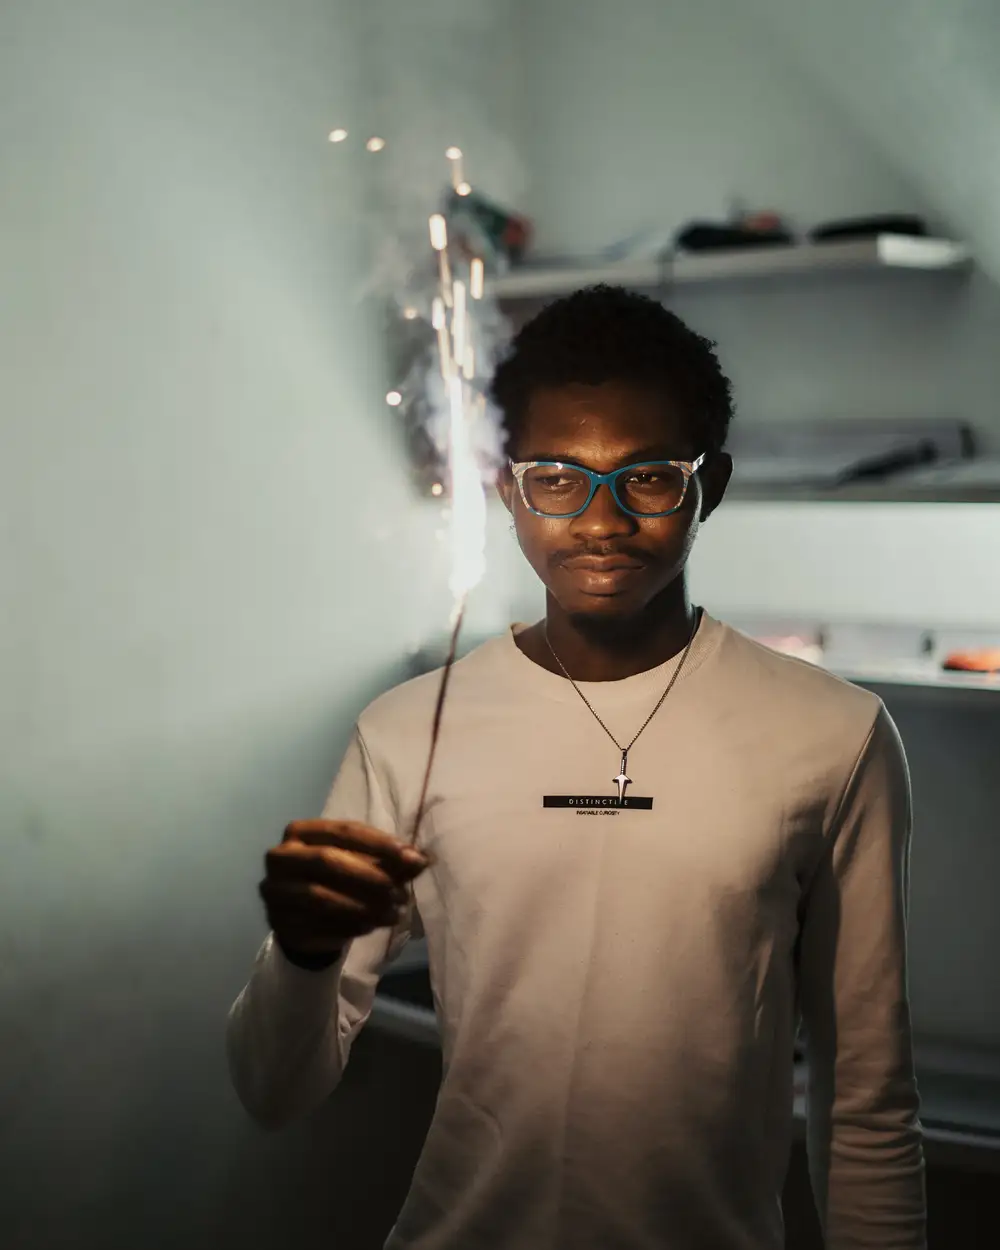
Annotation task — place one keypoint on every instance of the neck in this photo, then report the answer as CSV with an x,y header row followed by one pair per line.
x,y
612,650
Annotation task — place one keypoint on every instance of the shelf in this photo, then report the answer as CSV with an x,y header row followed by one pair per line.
x,y
959,1116
916,673
960,1111
884,251
941,487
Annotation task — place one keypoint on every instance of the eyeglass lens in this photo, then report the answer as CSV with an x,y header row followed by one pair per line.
x,y
643,489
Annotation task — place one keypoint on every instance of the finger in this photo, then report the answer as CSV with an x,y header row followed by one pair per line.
x,y
346,871
314,908
351,835
308,939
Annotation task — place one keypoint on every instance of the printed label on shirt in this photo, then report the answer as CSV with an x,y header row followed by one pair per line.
x,y
592,802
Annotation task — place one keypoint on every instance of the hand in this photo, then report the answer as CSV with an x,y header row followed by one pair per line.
x,y
333,880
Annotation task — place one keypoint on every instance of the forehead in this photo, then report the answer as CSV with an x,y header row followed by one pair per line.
x,y
604,422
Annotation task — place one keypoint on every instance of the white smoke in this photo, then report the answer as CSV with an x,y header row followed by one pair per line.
x,y
432,76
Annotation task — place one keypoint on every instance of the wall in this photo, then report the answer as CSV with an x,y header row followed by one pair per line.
x,y
651,114
199,590
197,594
922,81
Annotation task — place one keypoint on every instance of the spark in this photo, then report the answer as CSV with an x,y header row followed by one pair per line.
x,y
457,171
458,319
476,277
375,144
394,399
439,232
338,135
468,501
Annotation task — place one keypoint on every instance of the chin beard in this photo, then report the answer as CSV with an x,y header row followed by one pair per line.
x,y
609,630
627,625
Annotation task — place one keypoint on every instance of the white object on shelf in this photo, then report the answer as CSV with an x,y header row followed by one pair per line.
x,y
879,654
883,251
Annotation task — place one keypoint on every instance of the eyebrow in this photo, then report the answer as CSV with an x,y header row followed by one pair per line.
x,y
639,456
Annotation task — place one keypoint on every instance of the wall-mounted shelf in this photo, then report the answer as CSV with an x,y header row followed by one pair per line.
x,y
961,1101
884,251
913,673
916,673
899,489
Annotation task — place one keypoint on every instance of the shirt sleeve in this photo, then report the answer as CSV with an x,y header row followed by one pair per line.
x,y
291,1029
864,1137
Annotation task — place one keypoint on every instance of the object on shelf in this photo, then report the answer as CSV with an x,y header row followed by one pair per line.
x,y
974,473
870,228
484,229
986,660
830,453
553,277
878,653
758,230
801,645
857,644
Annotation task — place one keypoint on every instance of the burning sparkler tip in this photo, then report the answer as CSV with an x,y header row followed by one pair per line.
x,y
439,232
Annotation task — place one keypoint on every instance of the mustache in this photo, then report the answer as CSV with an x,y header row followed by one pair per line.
x,y
599,549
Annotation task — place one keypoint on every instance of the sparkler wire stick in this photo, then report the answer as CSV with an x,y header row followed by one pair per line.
x,y
418,815
438,714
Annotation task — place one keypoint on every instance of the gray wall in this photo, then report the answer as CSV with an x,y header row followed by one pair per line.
x,y
198,596
652,114
648,115
198,592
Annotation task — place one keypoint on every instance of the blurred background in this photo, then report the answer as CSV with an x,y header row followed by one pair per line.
x,y
200,594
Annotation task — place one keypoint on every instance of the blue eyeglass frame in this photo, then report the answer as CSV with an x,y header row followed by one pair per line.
x,y
688,467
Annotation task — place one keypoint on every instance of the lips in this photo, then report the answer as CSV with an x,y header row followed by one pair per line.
x,y
602,576
602,564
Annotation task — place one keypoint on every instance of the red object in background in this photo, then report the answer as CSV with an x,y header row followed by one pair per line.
x,y
984,661
764,221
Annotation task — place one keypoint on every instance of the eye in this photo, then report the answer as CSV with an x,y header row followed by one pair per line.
x,y
644,478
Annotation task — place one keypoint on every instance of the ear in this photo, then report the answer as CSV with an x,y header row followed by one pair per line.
x,y
715,478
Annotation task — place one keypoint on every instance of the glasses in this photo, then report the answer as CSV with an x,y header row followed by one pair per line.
x,y
654,488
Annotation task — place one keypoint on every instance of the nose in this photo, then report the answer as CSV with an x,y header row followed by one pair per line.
x,y
603,518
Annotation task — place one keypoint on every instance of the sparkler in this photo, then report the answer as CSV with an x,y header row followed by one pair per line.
x,y
460,346
467,515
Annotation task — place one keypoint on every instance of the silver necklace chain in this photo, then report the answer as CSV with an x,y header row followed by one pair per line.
x,y
659,703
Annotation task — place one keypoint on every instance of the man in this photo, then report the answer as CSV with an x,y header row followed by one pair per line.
x,y
651,843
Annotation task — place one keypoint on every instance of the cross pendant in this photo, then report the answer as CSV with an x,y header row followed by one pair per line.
x,y
623,780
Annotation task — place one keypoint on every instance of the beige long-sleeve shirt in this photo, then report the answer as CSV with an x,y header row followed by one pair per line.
x,y
618,988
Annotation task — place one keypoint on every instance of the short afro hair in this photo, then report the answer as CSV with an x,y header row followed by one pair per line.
x,y
609,334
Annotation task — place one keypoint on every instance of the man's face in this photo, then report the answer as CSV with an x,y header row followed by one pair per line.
x,y
605,564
